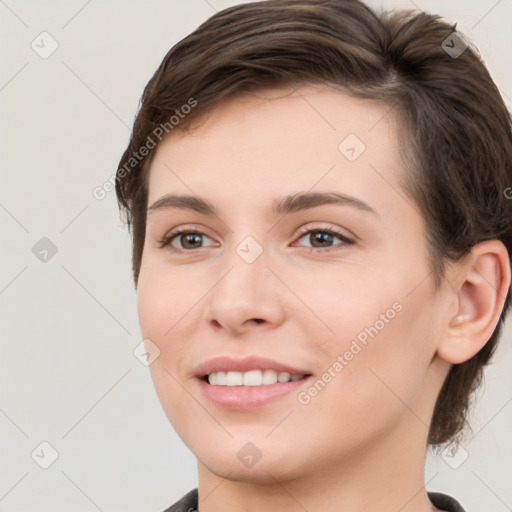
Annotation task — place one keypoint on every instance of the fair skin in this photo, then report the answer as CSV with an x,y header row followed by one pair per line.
x,y
359,443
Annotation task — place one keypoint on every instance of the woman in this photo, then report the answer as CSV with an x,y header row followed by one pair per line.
x,y
321,249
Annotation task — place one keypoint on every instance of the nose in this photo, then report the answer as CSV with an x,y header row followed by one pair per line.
x,y
246,296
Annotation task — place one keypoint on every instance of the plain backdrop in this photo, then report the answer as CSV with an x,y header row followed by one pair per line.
x,y
74,398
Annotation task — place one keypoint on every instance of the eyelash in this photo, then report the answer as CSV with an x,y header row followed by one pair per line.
x,y
168,238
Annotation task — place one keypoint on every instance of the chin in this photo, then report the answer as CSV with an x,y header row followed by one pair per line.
x,y
261,473
249,459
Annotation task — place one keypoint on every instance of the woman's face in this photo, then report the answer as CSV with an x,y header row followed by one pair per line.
x,y
333,287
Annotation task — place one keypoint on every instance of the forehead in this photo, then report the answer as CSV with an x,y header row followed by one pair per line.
x,y
279,138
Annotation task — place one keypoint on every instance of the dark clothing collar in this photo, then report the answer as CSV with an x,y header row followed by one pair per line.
x,y
442,501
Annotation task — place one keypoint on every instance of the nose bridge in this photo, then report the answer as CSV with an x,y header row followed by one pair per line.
x,y
246,272
247,289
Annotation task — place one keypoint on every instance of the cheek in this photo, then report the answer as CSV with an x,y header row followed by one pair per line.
x,y
354,308
387,371
166,312
163,303
381,350
163,298
375,391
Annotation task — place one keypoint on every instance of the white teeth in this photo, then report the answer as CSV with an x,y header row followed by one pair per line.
x,y
250,378
234,379
269,377
283,377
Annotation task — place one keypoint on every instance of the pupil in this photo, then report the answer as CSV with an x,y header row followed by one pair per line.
x,y
191,237
321,237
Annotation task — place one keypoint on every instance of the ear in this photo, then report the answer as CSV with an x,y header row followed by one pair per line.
x,y
479,286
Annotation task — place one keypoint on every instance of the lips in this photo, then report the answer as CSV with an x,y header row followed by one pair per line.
x,y
237,397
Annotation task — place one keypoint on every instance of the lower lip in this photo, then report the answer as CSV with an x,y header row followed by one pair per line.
x,y
242,398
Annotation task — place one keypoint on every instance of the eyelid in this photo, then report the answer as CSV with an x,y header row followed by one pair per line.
x,y
325,227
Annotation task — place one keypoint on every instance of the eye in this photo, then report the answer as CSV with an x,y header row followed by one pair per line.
x,y
321,239
189,239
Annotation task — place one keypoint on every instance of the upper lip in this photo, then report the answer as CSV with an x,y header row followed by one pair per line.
x,y
228,364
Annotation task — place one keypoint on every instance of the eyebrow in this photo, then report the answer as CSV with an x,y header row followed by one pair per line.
x,y
281,206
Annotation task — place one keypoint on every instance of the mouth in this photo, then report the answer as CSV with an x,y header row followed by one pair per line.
x,y
248,383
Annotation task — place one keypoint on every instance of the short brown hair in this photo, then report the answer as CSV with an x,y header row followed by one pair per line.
x,y
456,129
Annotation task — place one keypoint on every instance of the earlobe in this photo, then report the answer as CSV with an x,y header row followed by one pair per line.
x,y
484,280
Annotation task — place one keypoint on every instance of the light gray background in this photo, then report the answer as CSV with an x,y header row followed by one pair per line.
x,y
68,374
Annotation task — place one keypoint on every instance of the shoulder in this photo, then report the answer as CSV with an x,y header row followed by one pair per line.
x,y
445,502
186,504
